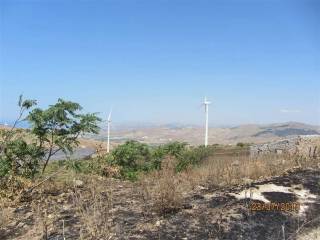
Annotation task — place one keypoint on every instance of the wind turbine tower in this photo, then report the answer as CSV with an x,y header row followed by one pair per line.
x,y
206,109
108,131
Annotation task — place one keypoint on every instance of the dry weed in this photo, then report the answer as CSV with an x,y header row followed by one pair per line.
x,y
93,208
12,185
5,215
46,216
163,188
229,170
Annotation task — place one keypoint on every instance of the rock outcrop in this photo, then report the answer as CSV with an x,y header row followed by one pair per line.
x,y
307,146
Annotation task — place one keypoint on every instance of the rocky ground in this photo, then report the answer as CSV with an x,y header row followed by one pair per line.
x,y
206,213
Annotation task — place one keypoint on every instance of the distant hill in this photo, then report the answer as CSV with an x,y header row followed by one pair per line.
x,y
194,135
288,129
250,133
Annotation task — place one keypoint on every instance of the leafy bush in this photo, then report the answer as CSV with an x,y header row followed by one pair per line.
x,y
130,174
5,167
132,155
175,149
184,155
20,158
17,157
193,156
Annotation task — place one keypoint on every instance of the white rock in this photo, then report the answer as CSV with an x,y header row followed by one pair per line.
x,y
77,183
199,187
158,223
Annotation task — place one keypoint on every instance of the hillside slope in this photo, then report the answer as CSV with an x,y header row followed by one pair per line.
x,y
251,133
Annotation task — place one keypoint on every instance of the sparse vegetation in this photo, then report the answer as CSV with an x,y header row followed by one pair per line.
x,y
95,214
162,188
161,191
134,158
94,194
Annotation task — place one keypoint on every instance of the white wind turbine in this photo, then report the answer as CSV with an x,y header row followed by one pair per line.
x,y
206,109
108,131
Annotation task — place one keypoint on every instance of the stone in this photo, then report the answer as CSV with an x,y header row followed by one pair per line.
x,y
78,183
21,225
158,223
66,207
200,188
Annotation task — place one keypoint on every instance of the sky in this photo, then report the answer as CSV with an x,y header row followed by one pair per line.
x,y
155,61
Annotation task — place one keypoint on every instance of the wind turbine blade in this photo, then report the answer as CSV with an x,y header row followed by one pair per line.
x,y
109,116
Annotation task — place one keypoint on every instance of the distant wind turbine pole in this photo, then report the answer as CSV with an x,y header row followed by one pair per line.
x,y
206,109
108,131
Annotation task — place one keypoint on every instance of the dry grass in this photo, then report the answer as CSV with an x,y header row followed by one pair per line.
x,y
44,221
230,170
5,214
94,209
11,186
164,189
312,235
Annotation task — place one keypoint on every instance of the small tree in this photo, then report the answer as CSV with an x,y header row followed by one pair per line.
x,y
52,130
58,127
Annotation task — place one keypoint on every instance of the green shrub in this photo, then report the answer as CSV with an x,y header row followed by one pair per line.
x,y
193,156
5,167
132,155
175,149
20,158
129,174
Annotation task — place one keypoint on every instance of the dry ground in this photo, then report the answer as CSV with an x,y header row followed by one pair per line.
x,y
211,201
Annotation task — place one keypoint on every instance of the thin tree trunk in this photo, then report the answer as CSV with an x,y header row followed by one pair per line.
x,y
49,155
47,160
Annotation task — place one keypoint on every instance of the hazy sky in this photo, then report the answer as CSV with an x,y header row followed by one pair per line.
x,y
154,61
